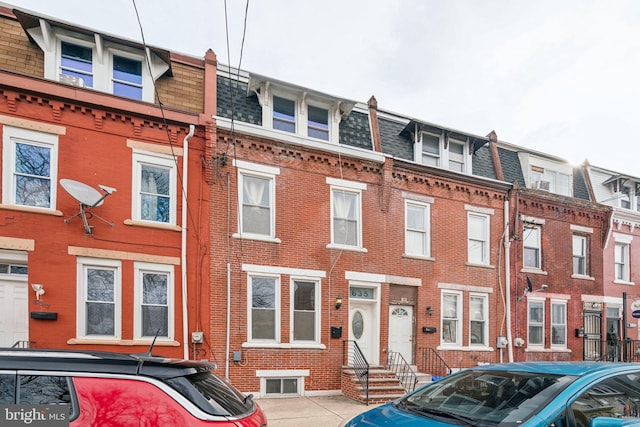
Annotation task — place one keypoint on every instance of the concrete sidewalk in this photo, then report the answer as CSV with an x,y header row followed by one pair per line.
x,y
326,411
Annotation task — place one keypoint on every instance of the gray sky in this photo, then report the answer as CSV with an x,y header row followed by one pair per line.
x,y
559,77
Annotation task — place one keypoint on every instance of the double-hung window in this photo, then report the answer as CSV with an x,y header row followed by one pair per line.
x,y
99,298
580,255
451,318
558,323
30,168
77,61
284,114
306,310
256,194
346,213
478,315
535,319
127,77
318,122
621,262
264,308
417,232
478,238
430,149
154,195
153,300
346,217
532,247
456,156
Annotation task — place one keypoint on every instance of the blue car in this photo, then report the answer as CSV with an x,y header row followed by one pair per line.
x,y
529,394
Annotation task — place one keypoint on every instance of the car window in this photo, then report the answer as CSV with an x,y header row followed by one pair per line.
x,y
486,397
45,390
7,388
212,394
617,397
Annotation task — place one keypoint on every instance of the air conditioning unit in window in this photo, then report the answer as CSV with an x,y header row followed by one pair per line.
x,y
71,80
541,185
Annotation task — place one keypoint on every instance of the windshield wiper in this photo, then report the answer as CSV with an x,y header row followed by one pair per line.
x,y
435,411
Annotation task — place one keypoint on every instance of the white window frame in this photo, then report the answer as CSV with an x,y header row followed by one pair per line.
x,y
317,306
540,325
484,320
562,323
263,172
48,38
444,156
139,158
537,244
308,127
82,264
425,250
302,100
355,188
621,262
583,255
12,135
277,308
147,81
458,319
484,239
141,268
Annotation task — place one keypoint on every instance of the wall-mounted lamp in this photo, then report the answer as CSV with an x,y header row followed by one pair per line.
x,y
429,310
580,332
38,289
338,302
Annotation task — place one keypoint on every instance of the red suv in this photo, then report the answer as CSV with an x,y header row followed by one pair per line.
x,y
111,389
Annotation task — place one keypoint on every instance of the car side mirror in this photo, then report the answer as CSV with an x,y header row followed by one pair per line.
x,y
613,422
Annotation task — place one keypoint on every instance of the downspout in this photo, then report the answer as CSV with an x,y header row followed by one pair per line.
x,y
507,279
228,329
183,255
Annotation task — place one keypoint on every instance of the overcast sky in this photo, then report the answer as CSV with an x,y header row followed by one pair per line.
x,y
557,76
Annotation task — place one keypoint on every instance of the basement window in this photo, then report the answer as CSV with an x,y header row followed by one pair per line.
x,y
281,386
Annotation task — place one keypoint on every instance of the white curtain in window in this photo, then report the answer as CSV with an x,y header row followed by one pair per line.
x,y
342,205
254,190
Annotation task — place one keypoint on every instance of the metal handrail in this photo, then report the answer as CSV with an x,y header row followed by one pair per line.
x,y
433,363
21,344
399,366
359,364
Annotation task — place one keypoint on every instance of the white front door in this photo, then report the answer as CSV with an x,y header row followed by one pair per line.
x,y
363,328
401,331
14,312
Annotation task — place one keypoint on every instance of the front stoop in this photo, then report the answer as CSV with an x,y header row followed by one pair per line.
x,y
384,386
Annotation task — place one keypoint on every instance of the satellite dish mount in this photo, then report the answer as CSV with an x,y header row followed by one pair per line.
x,y
89,198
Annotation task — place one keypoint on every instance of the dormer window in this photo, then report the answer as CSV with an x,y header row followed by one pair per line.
x,y
318,123
430,149
284,114
295,110
127,77
445,151
80,57
77,61
548,179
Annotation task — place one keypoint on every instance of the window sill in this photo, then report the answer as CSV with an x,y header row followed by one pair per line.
x,y
256,237
473,264
151,224
465,348
346,248
115,341
533,271
31,209
547,350
283,345
623,282
421,257
582,277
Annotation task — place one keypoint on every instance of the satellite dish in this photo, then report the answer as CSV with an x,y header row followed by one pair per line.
x,y
88,197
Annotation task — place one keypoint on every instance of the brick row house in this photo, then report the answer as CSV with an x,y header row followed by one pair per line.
x,y
104,195
281,231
